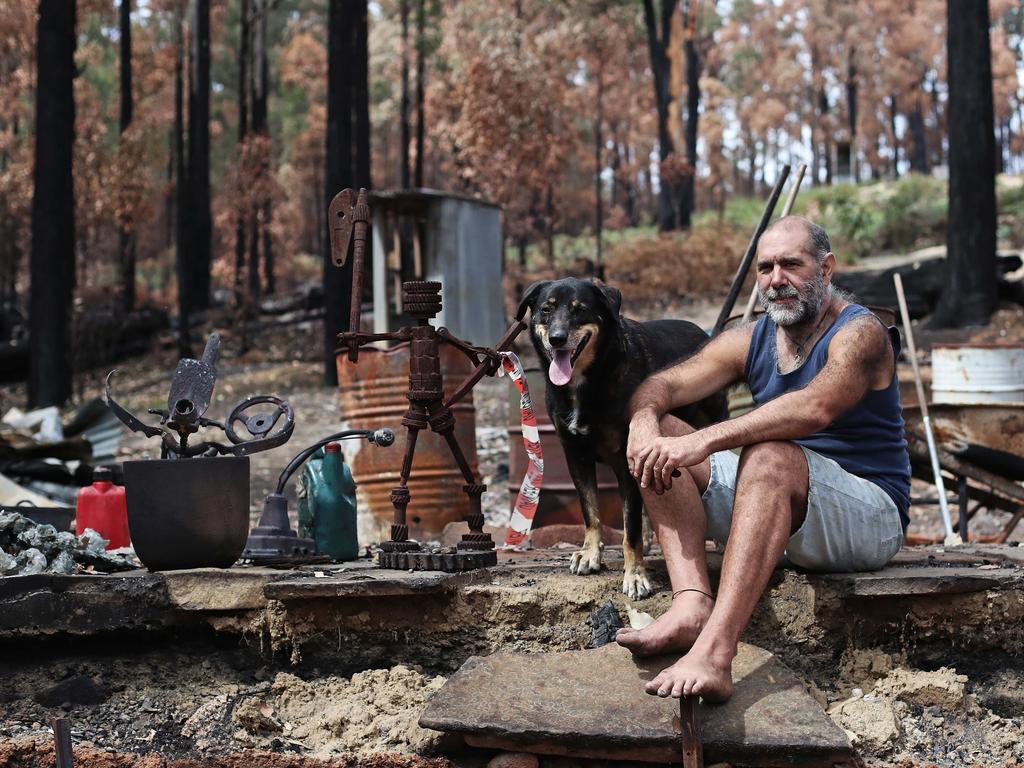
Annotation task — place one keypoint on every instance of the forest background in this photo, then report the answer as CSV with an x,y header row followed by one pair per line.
x,y
595,124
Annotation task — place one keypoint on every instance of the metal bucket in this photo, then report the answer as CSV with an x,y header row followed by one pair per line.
x,y
968,374
373,395
559,502
188,513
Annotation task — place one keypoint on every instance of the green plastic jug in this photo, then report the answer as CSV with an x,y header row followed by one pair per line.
x,y
327,504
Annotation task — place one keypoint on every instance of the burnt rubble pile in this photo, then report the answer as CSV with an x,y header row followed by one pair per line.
x,y
28,548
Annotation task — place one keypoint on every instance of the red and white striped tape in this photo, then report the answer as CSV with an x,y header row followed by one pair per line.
x,y
521,519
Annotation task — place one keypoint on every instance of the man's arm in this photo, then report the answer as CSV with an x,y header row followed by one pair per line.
x,y
720,363
860,358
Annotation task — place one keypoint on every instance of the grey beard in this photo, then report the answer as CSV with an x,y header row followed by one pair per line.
x,y
809,301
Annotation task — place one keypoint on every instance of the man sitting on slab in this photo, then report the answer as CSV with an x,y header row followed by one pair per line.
x,y
823,477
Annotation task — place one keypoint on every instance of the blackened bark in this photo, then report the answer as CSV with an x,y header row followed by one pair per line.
x,y
895,139
243,128
361,94
919,158
199,153
126,234
182,229
598,152
421,14
404,118
52,266
826,143
688,197
341,20
969,296
851,105
258,105
657,46
268,249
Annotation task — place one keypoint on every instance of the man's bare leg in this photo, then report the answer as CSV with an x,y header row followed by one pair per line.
x,y
678,517
771,502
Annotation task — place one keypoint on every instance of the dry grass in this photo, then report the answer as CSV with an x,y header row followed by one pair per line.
x,y
677,265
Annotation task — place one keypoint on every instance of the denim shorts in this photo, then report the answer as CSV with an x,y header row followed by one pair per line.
x,y
851,523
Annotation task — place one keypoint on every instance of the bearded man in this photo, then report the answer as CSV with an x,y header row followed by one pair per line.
x,y
822,479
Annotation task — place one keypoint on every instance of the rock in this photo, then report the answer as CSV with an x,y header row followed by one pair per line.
x,y
514,760
62,563
942,688
256,716
873,722
80,689
31,561
7,563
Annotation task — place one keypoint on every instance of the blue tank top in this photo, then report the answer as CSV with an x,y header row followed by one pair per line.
x,y
867,440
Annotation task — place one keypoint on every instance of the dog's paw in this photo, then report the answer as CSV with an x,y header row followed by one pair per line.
x,y
587,560
635,584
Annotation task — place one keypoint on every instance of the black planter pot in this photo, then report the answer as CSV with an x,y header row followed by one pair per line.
x,y
188,513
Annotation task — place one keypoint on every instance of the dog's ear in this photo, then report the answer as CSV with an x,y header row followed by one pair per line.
x,y
612,296
530,298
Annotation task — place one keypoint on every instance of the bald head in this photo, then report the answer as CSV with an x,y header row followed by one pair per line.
x,y
817,243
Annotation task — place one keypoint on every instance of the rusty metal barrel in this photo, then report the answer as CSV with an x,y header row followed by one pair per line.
x,y
373,395
559,501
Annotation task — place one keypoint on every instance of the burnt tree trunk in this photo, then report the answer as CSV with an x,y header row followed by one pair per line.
x,y
668,192
826,144
851,104
199,153
919,158
342,18
182,250
52,267
969,297
361,96
243,128
403,127
421,52
688,197
258,104
126,234
598,152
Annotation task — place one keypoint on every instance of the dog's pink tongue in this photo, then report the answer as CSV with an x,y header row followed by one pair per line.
x,y
560,370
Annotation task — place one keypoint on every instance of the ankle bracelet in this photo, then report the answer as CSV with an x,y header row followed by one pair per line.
x,y
708,595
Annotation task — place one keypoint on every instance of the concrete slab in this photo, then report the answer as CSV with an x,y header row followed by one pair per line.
x,y
592,704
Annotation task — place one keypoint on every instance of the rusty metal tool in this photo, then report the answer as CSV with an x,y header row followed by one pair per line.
x,y
350,222
62,742
748,256
693,750
952,539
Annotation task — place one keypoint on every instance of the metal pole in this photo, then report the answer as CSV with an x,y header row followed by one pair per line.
x,y
693,750
952,539
786,210
748,257
62,742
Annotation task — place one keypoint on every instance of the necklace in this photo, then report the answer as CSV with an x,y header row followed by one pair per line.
x,y
798,356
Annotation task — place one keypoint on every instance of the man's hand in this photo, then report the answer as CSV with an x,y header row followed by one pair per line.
x,y
643,431
666,455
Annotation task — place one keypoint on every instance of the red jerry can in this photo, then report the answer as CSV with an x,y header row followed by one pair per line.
x,y
101,507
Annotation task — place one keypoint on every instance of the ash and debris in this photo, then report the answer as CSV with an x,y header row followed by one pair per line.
x,y
27,548
227,701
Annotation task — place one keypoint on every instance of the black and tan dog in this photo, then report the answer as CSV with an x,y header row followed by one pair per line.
x,y
595,359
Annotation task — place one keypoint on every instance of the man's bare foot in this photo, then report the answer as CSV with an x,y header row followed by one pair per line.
x,y
698,673
672,632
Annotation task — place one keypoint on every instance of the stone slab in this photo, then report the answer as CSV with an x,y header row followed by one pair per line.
x,y
219,589
907,582
81,604
592,704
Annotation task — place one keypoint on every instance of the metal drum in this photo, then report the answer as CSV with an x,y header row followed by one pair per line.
x,y
188,513
373,395
971,374
559,502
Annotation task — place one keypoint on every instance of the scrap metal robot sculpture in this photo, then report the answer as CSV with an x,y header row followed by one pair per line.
x,y
349,220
